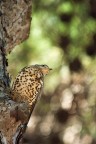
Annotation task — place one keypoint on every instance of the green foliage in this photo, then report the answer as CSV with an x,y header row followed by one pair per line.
x,y
60,32
63,36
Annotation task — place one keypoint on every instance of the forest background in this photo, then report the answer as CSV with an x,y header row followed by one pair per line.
x,y
63,36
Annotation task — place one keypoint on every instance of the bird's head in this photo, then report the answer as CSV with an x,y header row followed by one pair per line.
x,y
44,69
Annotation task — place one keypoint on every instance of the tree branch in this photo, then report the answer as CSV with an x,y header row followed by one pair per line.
x,y
15,19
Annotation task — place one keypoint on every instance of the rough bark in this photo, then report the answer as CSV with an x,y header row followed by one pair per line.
x,y
15,19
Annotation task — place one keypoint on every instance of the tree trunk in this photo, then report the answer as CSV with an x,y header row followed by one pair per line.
x,y
15,19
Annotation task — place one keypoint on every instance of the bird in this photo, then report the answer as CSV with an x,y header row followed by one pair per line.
x,y
28,84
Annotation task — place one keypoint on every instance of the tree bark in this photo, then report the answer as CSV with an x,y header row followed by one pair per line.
x,y
15,19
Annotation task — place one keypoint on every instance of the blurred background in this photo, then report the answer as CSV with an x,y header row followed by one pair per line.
x,y
63,36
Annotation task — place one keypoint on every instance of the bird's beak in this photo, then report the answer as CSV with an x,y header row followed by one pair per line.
x,y
50,68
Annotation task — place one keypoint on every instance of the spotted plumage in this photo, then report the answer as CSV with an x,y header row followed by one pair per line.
x,y
28,84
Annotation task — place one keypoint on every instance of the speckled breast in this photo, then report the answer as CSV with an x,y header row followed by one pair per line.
x,y
28,85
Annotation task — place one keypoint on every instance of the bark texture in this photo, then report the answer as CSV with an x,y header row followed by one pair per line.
x,y
15,19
